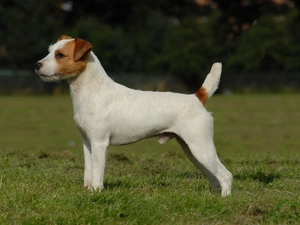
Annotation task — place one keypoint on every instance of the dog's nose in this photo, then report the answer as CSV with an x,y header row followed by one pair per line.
x,y
38,65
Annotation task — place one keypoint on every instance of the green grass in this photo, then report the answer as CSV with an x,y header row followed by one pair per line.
x,y
41,168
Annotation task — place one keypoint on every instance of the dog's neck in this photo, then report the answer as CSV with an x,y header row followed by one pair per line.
x,y
93,75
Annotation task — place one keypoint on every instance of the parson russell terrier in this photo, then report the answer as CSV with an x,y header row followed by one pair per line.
x,y
108,113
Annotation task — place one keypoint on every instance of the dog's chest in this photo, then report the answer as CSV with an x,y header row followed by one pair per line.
x,y
89,116
78,120
81,122
83,115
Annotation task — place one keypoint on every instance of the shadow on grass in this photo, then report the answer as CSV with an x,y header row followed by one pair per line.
x,y
258,175
119,157
116,184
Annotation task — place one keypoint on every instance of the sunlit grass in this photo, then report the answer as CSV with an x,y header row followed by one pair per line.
x,y
41,168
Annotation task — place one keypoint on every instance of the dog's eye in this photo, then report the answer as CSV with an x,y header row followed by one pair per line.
x,y
59,55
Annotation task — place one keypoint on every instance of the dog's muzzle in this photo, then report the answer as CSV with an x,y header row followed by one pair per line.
x,y
56,77
38,65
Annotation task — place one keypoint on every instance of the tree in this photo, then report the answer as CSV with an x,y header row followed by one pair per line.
x,y
269,45
190,49
26,30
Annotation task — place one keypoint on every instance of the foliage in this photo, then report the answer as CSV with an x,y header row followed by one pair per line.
x,y
189,49
26,31
178,37
268,45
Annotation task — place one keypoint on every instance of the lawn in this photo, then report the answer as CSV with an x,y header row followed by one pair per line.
x,y
41,168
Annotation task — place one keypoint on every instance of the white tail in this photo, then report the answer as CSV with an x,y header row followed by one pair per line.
x,y
210,84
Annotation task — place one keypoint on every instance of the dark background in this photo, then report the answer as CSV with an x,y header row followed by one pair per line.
x,y
257,41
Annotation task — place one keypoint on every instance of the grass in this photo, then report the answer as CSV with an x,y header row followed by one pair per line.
x,y
41,168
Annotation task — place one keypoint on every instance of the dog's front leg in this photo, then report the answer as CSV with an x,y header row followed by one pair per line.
x,y
99,151
88,163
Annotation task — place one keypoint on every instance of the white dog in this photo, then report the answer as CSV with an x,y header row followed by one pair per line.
x,y
108,113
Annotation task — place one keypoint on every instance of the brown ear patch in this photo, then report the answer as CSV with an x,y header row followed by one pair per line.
x,y
202,95
67,65
81,50
64,37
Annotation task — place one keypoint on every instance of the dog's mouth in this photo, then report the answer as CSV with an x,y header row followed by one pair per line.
x,y
50,78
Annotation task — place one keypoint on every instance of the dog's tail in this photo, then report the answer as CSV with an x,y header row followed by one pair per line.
x,y
210,84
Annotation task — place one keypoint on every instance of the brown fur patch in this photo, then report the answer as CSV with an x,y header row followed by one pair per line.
x,y
202,95
62,37
65,58
81,49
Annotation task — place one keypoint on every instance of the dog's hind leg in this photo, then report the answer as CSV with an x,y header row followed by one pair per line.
x,y
200,150
210,166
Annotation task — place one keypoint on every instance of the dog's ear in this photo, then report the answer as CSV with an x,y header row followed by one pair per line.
x,y
64,37
81,50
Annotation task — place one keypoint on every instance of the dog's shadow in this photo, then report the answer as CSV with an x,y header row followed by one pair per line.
x,y
258,175
112,185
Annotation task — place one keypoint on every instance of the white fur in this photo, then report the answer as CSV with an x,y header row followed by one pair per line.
x,y
108,113
212,80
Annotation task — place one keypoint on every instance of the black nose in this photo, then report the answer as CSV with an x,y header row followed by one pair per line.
x,y
38,65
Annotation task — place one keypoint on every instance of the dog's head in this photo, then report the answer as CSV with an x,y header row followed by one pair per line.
x,y
67,58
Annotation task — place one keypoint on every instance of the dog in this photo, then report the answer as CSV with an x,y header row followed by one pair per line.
x,y
107,113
